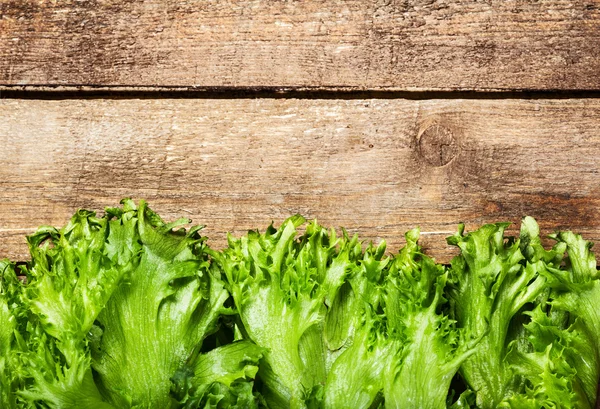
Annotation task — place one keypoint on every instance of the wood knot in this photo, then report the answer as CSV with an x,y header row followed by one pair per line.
x,y
437,145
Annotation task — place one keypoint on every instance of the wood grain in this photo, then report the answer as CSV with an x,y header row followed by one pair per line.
x,y
377,167
333,44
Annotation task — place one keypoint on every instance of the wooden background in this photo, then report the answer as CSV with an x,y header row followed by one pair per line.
x,y
374,115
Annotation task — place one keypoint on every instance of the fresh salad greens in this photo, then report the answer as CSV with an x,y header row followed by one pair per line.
x,y
127,311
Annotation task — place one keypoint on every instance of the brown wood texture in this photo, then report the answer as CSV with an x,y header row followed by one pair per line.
x,y
377,167
355,44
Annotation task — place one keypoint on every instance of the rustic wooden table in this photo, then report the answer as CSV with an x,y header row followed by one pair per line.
x,y
375,115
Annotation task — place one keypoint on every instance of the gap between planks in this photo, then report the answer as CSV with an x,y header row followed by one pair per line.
x,y
49,92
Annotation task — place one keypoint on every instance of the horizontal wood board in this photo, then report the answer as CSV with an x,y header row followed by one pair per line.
x,y
332,44
377,167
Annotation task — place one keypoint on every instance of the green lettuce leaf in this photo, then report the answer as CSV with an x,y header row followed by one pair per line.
x,y
221,378
545,364
168,303
356,378
561,365
13,319
294,299
491,285
575,296
70,279
538,312
428,347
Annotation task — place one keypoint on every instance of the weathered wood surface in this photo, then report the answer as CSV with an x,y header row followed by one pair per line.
x,y
355,44
378,167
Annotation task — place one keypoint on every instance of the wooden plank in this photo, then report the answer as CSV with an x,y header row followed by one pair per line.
x,y
377,167
333,44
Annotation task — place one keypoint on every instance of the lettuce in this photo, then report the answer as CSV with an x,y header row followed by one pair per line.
x,y
167,304
220,378
429,348
116,306
562,365
69,281
576,296
126,311
356,378
288,296
491,285
537,313
344,327
13,320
